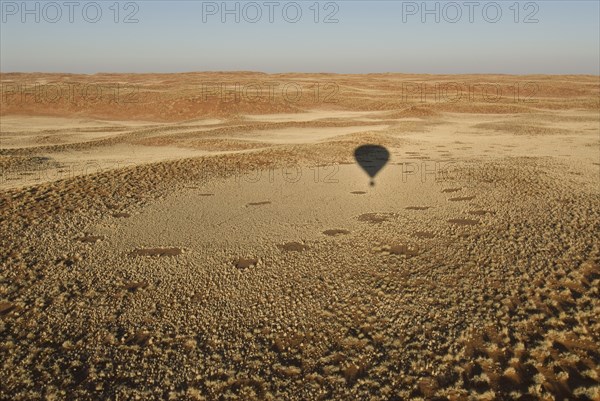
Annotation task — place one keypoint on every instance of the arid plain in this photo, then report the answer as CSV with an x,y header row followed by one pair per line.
x,y
209,236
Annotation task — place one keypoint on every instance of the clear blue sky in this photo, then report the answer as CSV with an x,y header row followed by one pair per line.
x,y
370,36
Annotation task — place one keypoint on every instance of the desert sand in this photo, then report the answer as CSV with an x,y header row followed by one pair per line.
x,y
187,244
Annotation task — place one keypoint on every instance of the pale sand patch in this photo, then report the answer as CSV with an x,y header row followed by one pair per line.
x,y
459,133
317,114
294,211
32,123
32,131
66,165
287,136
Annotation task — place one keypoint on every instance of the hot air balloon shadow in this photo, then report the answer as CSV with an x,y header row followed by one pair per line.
x,y
371,158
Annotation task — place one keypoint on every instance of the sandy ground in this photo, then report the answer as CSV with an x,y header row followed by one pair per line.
x,y
234,250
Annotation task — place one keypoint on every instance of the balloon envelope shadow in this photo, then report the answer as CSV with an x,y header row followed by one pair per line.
x,y
371,158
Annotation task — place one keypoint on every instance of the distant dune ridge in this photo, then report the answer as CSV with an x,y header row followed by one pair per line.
x,y
176,97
